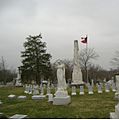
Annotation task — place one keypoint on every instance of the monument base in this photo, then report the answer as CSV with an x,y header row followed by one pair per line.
x,y
62,97
61,100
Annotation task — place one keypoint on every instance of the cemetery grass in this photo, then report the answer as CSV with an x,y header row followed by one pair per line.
x,y
82,106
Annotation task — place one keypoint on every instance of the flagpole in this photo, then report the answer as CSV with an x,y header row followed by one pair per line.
x,y
86,66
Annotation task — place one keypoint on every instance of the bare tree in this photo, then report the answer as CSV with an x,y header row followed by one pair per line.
x,y
115,60
86,55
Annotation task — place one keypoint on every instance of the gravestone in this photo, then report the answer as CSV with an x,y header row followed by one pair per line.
x,y
35,89
99,88
50,97
81,90
107,87
90,89
73,90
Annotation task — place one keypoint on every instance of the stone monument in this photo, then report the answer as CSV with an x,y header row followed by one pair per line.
x,y
77,74
61,95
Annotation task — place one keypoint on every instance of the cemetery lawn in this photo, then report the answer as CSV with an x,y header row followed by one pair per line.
x,y
82,106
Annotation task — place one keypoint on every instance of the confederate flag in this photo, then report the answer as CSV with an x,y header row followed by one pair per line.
x,y
84,39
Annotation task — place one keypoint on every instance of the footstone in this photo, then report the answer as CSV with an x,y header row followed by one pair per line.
x,y
73,90
12,96
18,116
50,97
38,97
22,97
81,90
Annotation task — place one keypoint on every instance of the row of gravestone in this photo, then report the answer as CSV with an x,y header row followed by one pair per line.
x,y
99,86
36,90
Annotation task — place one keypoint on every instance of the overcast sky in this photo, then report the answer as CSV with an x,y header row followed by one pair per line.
x,y
60,22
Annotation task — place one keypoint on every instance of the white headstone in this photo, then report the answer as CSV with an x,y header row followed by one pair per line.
x,y
77,74
90,89
107,87
73,90
35,89
81,90
50,97
99,88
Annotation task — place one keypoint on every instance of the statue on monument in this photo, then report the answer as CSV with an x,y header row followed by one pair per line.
x,y
61,75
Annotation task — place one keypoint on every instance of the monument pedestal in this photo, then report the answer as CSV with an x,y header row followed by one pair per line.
x,y
62,98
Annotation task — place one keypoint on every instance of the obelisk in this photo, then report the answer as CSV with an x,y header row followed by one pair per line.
x,y
77,74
